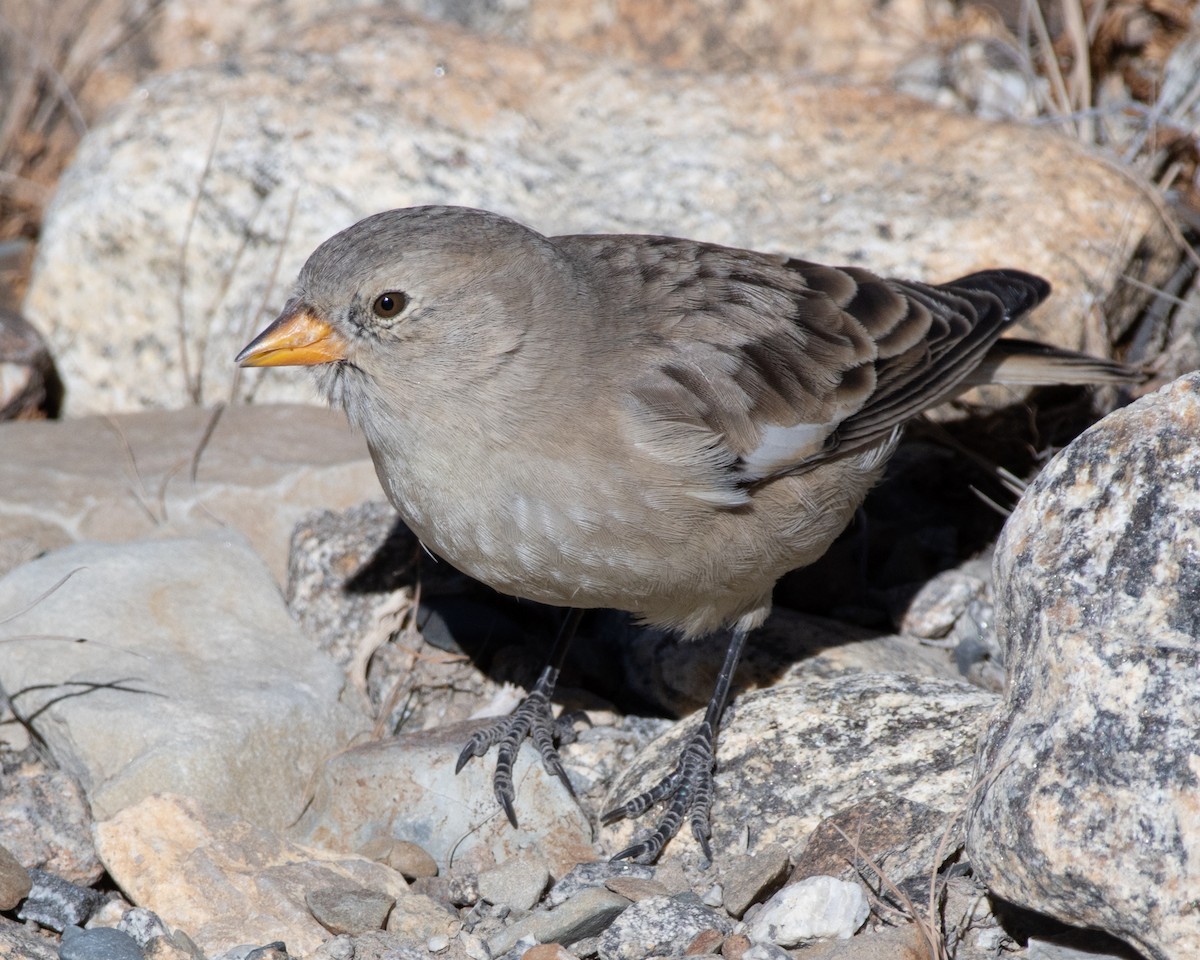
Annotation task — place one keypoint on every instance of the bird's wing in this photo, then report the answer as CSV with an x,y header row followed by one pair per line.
x,y
756,366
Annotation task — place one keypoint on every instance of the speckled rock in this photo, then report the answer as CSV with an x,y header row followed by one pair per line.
x,y
762,159
1088,809
57,903
348,908
747,879
516,883
791,755
661,927
585,914
419,917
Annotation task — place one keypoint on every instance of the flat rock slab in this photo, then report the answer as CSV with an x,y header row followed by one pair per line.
x,y
254,469
406,789
293,144
190,677
223,880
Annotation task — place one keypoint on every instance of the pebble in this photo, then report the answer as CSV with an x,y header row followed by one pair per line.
x,y
635,888
57,903
419,917
811,909
517,883
403,856
101,943
748,879
348,908
15,882
583,915
586,875
143,925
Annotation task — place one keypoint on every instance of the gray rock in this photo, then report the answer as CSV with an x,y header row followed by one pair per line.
x,y
99,943
407,788
659,926
748,878
15,882
583,915
44,818
57,903
939,605
182,635
347,908
418,917
1087,806
143,925
459,121
815,908
516,883
790,755
254,469
597,873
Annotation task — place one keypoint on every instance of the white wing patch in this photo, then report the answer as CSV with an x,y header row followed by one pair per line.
x,y
783,447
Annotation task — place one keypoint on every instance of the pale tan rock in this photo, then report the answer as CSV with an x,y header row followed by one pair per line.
x,y
420,917
759,159
156,475
222,879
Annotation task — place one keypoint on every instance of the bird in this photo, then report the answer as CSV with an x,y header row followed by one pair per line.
x,y
648,423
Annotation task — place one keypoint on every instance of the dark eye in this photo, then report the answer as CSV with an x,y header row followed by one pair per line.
x,y
387,305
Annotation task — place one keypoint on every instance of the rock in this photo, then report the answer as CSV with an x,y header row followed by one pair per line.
x,y
18,942
585,914
254,469
57,903
100,943
181,636
467,119
403,856
44,818
407,788
29,385
934,611
15,882
223,879
143,925
790,755
906,841
598,873
418,917
748,878
659,926
516,883
814,908
348,908
635,888
1087,809
890,943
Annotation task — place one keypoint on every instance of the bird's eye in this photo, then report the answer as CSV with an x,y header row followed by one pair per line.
x,y
388,305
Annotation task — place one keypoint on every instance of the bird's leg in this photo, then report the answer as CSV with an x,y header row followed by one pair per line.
x,y
533,718
690,785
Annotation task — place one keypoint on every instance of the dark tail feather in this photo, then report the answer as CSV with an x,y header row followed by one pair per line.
x,y
1027,362
1017,290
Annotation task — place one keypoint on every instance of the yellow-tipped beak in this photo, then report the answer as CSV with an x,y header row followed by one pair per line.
x,y
297,338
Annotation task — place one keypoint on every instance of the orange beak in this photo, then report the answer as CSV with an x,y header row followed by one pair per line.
x,y
297,338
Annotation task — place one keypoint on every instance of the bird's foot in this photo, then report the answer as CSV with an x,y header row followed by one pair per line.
x,y
690,789
532,718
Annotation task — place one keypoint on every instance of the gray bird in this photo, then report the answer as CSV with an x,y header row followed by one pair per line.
x,y
646,423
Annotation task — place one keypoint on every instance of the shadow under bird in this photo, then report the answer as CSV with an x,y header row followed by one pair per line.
x,y
646,423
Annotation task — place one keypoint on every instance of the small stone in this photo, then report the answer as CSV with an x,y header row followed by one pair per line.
x,y
419,918
458,890
548,951
347,908
405,857
584,915
748,879
174,947
57,903
337,948
586,875
705,942
101,943
143,925
15,882
517,884
812,909
438,943
735,946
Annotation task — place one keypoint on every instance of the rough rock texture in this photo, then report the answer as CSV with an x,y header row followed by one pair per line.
x,y
793,754
191,678
259,471
224,880
45,821
1090,807
308,139
406,788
